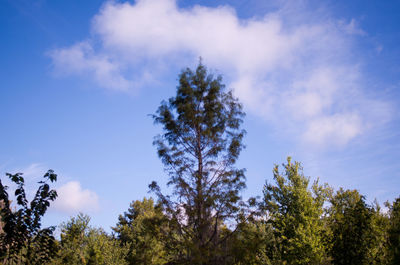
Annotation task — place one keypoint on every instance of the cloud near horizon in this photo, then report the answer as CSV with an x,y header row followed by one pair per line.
x,y
295,72
72,199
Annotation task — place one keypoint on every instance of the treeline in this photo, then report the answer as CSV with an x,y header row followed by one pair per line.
x,y
295,222
205,221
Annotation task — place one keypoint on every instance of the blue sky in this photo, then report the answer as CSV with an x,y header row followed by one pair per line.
x,y
319,81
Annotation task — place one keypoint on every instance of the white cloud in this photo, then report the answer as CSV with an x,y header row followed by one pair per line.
x,y
72,198
290,67
81,59
336,129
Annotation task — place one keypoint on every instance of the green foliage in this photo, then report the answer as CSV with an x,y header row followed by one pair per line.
x,y
394,232
351,225
140,228
73,243
199,147
295,213
248,246
105,250
378,249
82,244
23,240
295,226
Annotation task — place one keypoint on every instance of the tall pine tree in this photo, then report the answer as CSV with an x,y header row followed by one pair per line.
x,y
201,142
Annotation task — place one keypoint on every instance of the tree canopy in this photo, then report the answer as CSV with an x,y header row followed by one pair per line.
x,y
295,212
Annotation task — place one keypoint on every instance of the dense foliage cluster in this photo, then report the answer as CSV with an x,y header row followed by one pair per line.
x,y
205,221
22,240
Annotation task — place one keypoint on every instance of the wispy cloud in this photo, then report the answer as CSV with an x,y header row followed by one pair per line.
x,y
32,174
352,27
294,71
81,59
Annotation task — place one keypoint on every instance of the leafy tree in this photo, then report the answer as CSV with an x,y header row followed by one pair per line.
x,y
201,142
351,226
140,229
250,244
73,242
378,249
23,240
394,232
83,244
295,213
103,249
